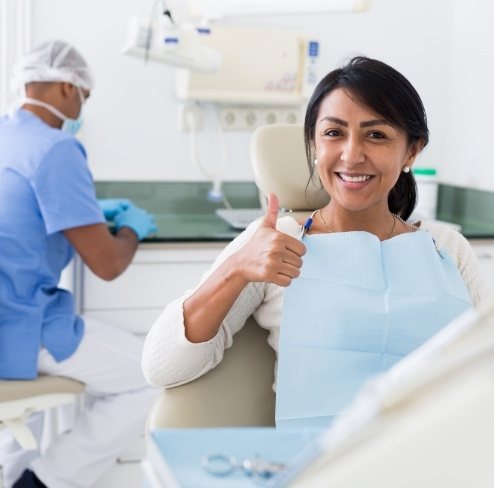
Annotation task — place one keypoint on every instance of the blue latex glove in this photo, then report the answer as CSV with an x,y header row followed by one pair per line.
x,y
112,206
140,221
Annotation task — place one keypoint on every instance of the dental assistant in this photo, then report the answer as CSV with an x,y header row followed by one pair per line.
x,y
48,211
362,289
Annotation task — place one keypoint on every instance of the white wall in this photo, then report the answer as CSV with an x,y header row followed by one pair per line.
x,y
131,129
469,152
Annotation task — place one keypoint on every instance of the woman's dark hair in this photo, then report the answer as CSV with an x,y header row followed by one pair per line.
x,y
386,92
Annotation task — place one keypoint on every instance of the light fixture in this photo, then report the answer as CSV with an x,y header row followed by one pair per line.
x,y
217,9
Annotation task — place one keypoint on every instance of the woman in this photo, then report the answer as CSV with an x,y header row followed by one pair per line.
x,y
365,287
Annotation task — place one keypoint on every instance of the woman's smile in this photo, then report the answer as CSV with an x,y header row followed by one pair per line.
x,y
354,181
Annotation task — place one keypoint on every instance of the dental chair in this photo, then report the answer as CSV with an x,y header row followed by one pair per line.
x,y
239,391
21,398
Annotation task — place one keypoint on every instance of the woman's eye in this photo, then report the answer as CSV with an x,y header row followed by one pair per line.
x,y
332,133
377,135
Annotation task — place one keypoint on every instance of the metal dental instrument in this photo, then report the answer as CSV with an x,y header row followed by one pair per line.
x,y
255,467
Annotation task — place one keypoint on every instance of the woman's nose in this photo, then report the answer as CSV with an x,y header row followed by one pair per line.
x,y
352,152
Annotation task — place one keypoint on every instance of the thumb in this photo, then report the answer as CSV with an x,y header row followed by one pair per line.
x,y
271,216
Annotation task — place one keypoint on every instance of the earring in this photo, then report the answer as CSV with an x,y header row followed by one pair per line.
x,y
316,162
406,169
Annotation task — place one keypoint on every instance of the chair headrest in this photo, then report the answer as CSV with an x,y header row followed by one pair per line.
x,y
280,166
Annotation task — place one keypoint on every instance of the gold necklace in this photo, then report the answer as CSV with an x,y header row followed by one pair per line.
x,y
395,218
411,226
324,222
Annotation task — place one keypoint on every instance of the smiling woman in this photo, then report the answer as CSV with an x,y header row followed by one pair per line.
x,y
358,287
366,124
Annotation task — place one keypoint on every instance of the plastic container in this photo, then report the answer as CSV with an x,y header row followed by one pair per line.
x,y
427,186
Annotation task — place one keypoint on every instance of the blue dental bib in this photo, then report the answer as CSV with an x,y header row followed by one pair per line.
x,y
358,307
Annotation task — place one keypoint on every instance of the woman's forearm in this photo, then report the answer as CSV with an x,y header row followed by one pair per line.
x,y
206,308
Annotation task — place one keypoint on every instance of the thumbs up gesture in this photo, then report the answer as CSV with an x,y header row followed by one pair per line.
x,y
271,256
269,220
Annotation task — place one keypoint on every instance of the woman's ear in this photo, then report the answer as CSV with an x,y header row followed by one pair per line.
x,y
413,151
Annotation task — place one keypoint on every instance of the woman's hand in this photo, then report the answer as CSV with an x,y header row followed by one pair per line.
x,y
270,256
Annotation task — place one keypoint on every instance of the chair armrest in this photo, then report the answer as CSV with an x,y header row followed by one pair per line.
x,y
238,392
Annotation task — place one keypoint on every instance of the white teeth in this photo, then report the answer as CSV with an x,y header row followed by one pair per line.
x,y
354,179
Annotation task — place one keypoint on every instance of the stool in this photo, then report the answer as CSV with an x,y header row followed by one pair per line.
x,y
21,398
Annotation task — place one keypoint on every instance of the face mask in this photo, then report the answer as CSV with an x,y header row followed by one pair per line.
x,y
71,126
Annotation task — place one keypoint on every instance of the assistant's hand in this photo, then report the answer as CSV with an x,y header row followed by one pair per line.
x,y
137,219
113,206
271,256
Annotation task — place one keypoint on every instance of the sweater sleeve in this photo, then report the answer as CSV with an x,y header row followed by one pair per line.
x,y
462,253
170,359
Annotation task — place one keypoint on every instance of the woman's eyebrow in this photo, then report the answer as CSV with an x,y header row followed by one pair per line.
x,y
366,123
336,120
370,123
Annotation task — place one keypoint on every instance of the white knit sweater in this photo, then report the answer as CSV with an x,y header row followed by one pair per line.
x,y
169,359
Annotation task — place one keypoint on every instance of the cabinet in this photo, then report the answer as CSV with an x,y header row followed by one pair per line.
x,y
158,274
484,249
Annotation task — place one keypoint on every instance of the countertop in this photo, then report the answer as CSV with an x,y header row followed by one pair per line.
x,y
471,209
182,210
184,213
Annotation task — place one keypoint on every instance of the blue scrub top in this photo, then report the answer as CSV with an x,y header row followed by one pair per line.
x,y
45,188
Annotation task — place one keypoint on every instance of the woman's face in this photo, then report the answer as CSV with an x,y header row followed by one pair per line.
x,y
360,155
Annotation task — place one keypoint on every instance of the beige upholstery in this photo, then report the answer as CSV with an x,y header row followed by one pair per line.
x,y
21,398
280,166
238,392
44,385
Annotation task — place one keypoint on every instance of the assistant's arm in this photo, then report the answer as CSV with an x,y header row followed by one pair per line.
x,y
65,191
106,255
